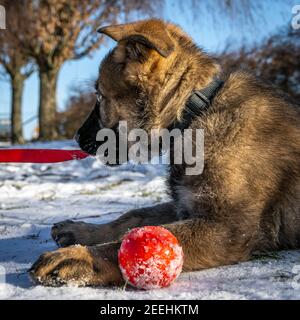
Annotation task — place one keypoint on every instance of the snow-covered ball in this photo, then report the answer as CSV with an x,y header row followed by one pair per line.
x,y
150,257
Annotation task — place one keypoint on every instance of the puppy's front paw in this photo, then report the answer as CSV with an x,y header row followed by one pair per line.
x,y
68,265
67,233
76,265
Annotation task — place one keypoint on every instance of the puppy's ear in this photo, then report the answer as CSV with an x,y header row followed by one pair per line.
x,y
142,35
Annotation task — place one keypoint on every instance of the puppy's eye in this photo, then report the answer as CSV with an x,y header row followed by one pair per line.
x,y
99,96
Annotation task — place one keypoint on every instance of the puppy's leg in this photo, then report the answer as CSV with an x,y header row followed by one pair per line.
x,y
68,232
205,244
209,244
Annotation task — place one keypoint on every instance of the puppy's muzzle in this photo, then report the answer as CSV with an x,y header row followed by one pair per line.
x,y
86,136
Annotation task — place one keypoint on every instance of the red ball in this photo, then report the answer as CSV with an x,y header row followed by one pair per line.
x,y
150,257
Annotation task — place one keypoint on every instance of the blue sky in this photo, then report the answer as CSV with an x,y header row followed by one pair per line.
x,y
209,33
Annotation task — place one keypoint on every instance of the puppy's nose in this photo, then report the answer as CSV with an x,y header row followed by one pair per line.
x,y
77,137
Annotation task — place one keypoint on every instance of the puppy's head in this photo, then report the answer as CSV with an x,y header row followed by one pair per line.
x,y
144,74
124,80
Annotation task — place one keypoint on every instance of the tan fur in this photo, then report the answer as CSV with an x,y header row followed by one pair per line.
x,y
248,197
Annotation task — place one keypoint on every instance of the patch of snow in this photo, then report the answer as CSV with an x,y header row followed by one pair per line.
x,y
33,197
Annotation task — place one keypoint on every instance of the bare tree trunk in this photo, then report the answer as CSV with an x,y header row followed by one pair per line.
x,y
17,81
47,108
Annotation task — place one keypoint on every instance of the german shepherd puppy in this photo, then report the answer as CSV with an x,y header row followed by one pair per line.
x,y
247,199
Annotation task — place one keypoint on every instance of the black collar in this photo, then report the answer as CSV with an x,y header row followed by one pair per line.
x,y
197,104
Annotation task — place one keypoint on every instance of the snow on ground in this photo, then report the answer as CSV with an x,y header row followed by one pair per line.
x,y
33,197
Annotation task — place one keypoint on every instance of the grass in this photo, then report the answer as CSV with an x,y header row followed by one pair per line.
x,y
99,189
272,255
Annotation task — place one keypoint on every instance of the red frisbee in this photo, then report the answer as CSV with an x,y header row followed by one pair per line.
x,y
40,155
